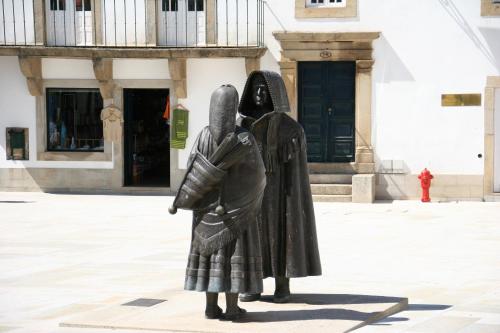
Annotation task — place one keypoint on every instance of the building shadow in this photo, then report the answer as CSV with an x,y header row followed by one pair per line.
x,y
492,38
390,67
452,10
391,178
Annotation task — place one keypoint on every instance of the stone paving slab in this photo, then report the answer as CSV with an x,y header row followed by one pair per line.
x,y
183,312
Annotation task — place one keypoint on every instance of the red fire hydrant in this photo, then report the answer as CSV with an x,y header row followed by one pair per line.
x,y
425,181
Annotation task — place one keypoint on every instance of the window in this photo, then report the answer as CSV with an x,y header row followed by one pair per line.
x,y
192,3
169,5
74,120
326,8
490,7
86,3
57,4
326,3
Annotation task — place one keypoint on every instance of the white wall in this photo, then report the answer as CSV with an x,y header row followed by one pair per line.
x,y
140,69
426,48
18,108
496,162
203,77
76,69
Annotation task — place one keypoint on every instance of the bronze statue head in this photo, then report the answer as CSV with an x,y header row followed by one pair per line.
x,y
264,92
222,113
260,92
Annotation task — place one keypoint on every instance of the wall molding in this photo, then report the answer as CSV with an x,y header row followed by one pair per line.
x,y
492,83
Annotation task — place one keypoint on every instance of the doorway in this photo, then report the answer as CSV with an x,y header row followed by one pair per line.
x,y
146,138
326,105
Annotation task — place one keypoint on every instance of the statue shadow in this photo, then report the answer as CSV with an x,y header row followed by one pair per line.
x,y
316,314
335,299
328,313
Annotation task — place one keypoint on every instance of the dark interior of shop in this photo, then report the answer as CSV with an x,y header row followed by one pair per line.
x,y
147,152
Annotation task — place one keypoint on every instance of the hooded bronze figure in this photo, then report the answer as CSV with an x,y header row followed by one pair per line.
x,y
224,186
288,228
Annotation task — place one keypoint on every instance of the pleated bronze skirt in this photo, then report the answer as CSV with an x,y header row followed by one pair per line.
x,y
235,268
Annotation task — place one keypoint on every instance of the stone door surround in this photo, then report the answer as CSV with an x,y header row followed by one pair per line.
x,y
492,83
335,46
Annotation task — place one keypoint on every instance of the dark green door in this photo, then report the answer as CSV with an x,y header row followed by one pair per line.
x,y
326,109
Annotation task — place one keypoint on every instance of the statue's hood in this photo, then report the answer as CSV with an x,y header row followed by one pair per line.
x,y
277,94
222,112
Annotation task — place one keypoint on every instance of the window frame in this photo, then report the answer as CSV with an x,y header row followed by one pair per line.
x,y
302,10
47,121
85,5
490,8
326,4
169,5
56,5
194,5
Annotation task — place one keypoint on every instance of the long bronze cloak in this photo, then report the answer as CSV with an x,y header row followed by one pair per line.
x,y
288,228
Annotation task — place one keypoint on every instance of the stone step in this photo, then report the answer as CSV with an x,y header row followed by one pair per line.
x,y
332,168
328,178
332,198
331,189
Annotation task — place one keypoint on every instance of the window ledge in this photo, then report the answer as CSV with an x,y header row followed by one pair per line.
x,y
73,156
350,10
488,8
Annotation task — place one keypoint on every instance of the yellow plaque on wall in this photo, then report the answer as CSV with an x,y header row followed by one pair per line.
x,y
461,100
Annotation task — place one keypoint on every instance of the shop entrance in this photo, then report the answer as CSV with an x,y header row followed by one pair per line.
x,y
146,138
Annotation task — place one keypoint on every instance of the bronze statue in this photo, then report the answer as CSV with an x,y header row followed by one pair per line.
x,y
224,186
288,228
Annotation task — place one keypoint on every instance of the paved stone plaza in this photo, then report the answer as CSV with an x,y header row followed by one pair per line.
x,y
70,256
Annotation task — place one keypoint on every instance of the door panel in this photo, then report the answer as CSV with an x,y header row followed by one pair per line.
x,y
69,22
326,109
181,22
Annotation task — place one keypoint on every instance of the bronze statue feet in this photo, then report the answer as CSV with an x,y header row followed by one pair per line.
x,y
234,315
216,314
281,297
249,297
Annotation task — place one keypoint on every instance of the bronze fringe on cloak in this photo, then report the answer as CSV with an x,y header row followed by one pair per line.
x,y
228,259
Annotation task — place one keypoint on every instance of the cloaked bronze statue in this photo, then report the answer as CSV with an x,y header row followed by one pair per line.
x,y
223,186
288,228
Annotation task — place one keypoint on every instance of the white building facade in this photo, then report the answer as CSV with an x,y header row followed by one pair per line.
x,y
383,90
